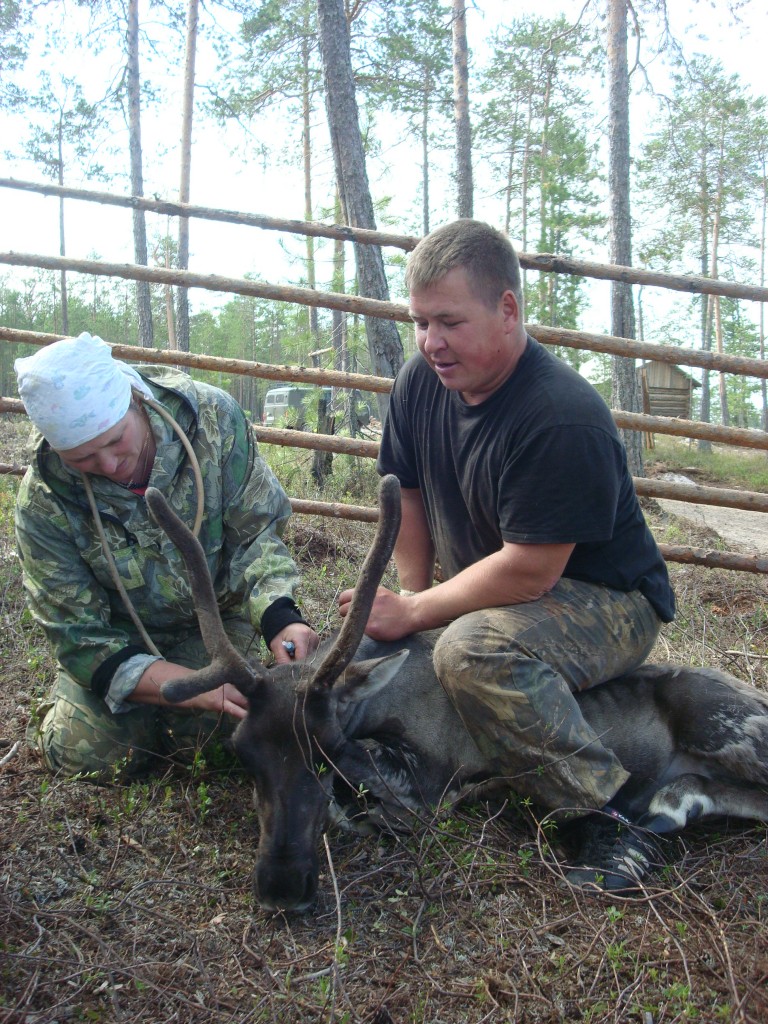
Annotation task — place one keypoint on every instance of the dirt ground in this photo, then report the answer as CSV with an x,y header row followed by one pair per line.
x,y
741,529
133,903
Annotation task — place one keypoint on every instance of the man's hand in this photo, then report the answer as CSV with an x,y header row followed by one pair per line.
x,y
392,615
225,700
515,574
294,643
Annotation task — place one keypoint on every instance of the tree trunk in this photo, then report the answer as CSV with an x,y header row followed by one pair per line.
x,y
62,240
706,301
545,280
524,178
384,345
714,273
322,462
170,319
144,305
725,416
306,139
464,185
625,391
182,295
338,284
425,163
763,239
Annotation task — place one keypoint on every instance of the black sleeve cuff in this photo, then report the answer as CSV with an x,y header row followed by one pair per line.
x,y
279,614
102,677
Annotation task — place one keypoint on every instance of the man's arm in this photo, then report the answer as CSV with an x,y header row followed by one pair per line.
x,y
515,574
225,699
414,550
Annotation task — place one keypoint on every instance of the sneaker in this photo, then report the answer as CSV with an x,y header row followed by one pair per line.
x,y
614,855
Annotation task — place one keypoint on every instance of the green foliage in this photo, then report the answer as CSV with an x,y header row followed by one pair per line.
x,y
13,49
64,129
410,73
696,168
274,64
701,173
533,121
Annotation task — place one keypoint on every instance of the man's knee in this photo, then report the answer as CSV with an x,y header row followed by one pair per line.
x,y
477,648
79,735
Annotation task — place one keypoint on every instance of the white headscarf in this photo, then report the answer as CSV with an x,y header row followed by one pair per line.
x,y
73,390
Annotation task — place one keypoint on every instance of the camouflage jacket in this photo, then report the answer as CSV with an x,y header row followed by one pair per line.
x,y
68,584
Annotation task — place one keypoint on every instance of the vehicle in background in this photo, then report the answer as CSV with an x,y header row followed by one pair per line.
x,y
288,406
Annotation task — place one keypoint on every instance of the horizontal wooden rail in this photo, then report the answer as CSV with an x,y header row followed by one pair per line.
x,y
723,497
542,261
254,220
211,282
711,559
608,343
616,346
742,437
287,438
633,421
220,364
335,510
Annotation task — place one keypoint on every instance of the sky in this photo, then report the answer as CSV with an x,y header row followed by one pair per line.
x,y
29,223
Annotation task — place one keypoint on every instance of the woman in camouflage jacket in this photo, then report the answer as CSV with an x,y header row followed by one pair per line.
x,y
107,714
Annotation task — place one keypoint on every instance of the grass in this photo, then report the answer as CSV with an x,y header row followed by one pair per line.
x,y
722,465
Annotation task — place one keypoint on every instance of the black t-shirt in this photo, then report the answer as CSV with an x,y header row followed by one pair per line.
x,y
539,462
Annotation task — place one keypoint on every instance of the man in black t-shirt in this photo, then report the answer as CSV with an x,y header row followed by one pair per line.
x,y
514,479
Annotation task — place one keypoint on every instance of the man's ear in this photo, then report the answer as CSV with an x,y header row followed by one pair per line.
x,y
510,307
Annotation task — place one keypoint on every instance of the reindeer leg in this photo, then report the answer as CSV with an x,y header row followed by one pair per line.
x,y
693,797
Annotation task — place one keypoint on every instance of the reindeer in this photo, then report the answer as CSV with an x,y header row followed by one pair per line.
x,y
694,740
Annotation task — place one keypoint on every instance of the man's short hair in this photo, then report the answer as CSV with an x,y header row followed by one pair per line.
x,y
486,255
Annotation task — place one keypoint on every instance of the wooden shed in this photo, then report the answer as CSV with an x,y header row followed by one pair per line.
x,y
667,390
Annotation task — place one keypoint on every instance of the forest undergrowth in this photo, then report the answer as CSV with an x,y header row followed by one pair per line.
x,y
133,903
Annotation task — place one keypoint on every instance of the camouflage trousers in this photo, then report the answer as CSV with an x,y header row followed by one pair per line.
x,y
511,673
78,734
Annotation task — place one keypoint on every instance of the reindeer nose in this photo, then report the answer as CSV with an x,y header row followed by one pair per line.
x,y
277,887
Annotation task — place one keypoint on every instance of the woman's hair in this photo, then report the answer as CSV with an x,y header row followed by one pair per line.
x,y
485,254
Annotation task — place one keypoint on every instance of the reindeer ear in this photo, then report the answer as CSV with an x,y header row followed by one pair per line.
x,y
363,679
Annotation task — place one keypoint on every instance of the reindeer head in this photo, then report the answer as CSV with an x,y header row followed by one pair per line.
x,y
291,740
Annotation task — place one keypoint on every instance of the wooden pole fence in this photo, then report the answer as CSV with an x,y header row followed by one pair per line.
x,y
742,365
740,437
710,559
723,497
220,364
254,220
616,346
542,262
211,282
369,449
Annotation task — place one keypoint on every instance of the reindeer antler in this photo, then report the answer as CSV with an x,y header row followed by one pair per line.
x,y
351,632
227,664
